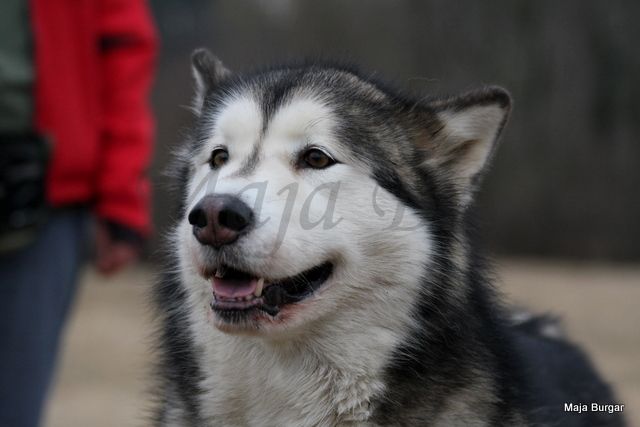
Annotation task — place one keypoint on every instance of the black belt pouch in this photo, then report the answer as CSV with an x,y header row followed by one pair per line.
x,y
24,159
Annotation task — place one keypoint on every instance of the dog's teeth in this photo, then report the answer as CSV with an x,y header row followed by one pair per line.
x,y
220,272
258,290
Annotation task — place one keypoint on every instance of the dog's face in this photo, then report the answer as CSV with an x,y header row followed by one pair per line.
x,y
312,194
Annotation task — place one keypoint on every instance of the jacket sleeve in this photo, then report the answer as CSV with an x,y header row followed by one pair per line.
x,y
127,47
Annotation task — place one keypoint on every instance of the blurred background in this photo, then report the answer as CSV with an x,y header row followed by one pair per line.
x,y
560,208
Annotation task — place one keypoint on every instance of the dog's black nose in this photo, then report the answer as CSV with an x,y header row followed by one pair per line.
x,y
220,219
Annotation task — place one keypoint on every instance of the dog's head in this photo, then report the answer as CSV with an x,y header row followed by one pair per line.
x,y
313,193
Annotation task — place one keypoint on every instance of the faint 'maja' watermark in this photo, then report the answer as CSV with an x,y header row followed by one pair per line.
x,y
327,220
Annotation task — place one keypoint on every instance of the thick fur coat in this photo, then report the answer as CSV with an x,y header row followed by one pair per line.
x,y
362,195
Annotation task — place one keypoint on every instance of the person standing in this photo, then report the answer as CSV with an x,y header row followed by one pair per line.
x,y
75,143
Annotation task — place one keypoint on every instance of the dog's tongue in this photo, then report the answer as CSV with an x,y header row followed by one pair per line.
x,y
234,288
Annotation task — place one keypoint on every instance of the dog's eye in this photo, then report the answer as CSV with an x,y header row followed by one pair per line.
x,y
317,159
219,157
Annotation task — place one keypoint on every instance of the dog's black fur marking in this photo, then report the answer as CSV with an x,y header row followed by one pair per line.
x,y
177,366
178,362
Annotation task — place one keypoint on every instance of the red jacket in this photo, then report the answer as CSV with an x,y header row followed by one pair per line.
x,y
94,61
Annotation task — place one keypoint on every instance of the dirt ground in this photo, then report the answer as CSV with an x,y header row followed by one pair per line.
x,y
105,365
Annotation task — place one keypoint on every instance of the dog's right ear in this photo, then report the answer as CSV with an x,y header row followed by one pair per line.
x,y
208,72
462,132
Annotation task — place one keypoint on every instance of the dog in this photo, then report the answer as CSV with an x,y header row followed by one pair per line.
x,y
321,271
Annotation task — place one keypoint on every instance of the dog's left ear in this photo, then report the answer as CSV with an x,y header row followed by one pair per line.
x,y
462,135
208,72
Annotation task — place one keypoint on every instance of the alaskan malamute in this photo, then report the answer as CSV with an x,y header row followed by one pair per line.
x,y
322,273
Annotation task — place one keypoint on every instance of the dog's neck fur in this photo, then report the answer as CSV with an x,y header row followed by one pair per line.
x,y
331,375
336,373
290,384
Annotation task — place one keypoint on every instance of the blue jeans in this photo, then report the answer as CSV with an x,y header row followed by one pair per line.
x,y
37,284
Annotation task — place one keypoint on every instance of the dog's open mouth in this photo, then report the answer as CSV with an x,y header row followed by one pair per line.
x,y
236,291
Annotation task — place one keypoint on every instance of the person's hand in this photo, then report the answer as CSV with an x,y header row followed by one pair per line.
x,y
112,253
